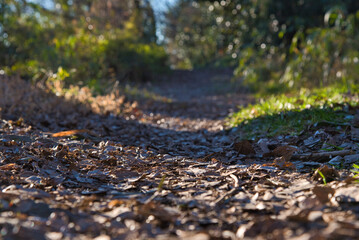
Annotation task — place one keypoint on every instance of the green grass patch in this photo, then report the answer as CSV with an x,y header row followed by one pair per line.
x,y
355,170
293,113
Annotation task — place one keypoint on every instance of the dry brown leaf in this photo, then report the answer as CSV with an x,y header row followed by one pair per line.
x,y
8,167
354,133
323,193
284,151
86,190
244,147
70,133
281,163
355,121
115,203
329,173
156,210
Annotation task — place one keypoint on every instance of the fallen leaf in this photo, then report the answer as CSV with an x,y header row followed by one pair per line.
x,y
263,145
71,133
244,147
115,203
354,133
18,138
262,225
349,159
323,193
284,151
336,161
281,163
8,167
329,173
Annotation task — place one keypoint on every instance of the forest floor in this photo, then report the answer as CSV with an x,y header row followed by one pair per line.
x,y
167,167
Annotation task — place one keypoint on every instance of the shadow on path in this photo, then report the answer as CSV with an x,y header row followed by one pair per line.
x,y
49,113
209,94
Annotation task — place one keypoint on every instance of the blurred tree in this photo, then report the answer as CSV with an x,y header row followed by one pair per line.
x,y
135,15
265,38
87,41
191,35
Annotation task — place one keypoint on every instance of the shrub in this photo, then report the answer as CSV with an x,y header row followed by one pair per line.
x,y
42,46
317,57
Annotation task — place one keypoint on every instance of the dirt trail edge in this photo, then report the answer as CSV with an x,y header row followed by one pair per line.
x,y
166,169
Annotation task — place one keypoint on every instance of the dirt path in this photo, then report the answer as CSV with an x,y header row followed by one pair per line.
x,y
163,170
191,120
202,99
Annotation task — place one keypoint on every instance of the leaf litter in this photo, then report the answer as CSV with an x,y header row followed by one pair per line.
x,y
70,172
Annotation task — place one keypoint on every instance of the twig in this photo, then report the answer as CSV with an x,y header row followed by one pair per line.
x,y
307,156
232,192
152,197
236,180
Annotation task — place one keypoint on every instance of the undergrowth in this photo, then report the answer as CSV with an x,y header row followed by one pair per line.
x,y
294,113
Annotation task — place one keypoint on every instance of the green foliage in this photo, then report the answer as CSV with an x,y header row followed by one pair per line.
x,y
355,170
56,44
324,179
138,59
325,56
292,114
278,45
316,56
194,36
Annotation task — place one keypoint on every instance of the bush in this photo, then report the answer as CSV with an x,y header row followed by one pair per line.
x,y
43,46
134,61
317,57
